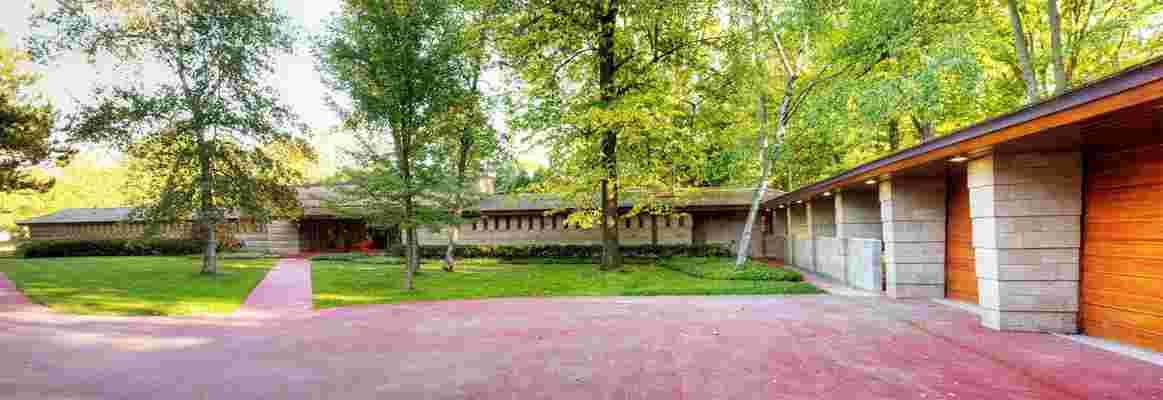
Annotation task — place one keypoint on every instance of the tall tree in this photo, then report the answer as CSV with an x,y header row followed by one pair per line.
x,y
214,109
810,57
595,59
26,124
397,65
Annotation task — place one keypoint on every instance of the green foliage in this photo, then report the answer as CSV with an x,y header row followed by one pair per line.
x,y
613,91
145,286
401,68
339,283
88,248
724,268
26,123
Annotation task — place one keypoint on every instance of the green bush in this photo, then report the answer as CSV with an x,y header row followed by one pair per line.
x,y
358,257
720,268
86,248
558,251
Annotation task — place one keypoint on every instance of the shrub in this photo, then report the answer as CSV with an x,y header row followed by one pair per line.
x,y
719,268
86,248
358,257
571,251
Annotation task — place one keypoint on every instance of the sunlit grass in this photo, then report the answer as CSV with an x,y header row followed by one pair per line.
x,y
339,283
134,285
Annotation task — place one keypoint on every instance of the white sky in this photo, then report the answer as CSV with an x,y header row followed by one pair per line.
x,y
72,77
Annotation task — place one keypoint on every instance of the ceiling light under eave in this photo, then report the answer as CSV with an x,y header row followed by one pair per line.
x,y
826,194
799,201
959,159
870,182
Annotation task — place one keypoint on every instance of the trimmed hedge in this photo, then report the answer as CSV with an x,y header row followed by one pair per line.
x,y
86,248
567,251
724,269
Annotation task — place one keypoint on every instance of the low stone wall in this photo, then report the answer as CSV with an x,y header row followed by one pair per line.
x,y
803,254
830,260
855,262
864,264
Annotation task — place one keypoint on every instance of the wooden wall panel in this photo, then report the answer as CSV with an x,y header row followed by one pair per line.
x,y
1122,256
960,267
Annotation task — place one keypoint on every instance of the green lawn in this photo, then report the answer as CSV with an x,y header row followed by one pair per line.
x,y
134,285
376,281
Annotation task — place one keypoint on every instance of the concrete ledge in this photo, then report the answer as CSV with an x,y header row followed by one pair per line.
x,y
1045,322
907,291
1138,353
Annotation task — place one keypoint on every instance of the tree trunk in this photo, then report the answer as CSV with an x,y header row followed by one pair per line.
x,y
924,129
1060,81
206,213
611,251
410,255
1023,52
450,252
414,245
765,160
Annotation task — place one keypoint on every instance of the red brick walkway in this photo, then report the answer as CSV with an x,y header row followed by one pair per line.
x,y
9,295
285,290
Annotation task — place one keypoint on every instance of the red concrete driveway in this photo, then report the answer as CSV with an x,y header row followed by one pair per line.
x,y
803,347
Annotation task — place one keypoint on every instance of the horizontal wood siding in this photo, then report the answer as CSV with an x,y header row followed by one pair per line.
x,y
1122,260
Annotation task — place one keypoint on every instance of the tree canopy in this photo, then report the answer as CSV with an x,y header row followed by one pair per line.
x,y
26,127
202,128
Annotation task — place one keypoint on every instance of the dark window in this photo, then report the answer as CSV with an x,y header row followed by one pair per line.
x,y
508,223
681,221
641,221
627,223
668,218
554,221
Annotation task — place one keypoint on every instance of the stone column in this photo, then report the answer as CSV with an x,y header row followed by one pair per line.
x,y
777,246
1027,230
912,211
858,215
800,236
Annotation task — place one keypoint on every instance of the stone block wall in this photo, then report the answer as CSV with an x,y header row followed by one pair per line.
x,y
105,231
913,214
1027,231
278,237
858,215
822,217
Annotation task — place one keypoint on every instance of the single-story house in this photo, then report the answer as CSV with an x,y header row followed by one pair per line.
x,y
1047,219
704,216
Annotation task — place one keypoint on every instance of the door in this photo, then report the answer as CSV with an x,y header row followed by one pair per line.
x,y
960,270
1122,254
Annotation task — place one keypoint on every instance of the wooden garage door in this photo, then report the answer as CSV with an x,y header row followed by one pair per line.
x,y
960,271
1122,255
